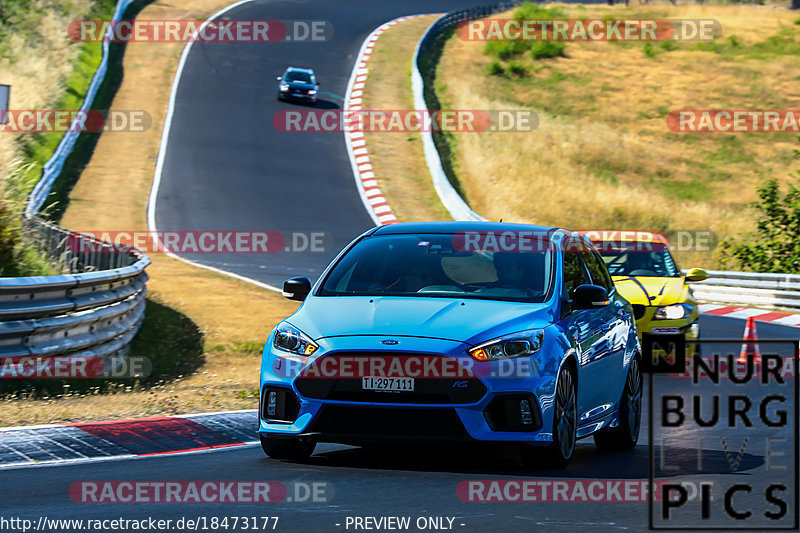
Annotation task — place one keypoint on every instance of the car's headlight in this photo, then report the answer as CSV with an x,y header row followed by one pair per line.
x,y
516,345
673,312
284,88
312,91
290,339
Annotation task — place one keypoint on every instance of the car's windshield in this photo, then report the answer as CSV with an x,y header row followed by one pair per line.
x,y
639,259
296,75
432,266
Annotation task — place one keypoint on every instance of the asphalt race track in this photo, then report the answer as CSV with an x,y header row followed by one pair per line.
x,y
408,481
227,168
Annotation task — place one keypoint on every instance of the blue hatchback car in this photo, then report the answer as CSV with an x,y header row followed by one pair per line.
x,y
464,331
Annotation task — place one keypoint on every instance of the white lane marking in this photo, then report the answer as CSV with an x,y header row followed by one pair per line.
x,y
705,308
29,462
77,424
352,102
162,151
68,462
791,320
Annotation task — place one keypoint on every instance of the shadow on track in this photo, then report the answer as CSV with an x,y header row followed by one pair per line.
x,y
589,462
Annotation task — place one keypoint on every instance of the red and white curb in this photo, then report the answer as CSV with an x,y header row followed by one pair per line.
x,y
760,315
371,194
125,439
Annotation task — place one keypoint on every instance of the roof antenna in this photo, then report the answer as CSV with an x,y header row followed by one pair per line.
x,y
501,220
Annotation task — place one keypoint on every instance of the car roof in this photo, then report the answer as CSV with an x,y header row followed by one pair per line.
x,y
298,69
446,227
624,236
558,236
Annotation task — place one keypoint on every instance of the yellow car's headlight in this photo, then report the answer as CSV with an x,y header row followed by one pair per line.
x,y
673,312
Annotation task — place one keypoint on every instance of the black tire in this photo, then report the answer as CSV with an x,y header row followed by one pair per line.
x,y
288,448
625,436
565,425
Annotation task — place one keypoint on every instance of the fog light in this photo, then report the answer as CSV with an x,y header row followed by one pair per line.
x,y
525,412
272,403
695,330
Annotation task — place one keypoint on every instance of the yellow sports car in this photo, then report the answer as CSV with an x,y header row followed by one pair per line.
x,y
646,274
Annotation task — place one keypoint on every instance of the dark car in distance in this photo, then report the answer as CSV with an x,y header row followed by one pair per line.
x,y
298,84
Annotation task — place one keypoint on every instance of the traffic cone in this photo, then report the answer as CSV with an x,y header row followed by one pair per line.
x,y
750,343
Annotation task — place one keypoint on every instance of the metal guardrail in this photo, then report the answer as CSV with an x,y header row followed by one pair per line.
x,y
448,195
777,291
93,309
96,306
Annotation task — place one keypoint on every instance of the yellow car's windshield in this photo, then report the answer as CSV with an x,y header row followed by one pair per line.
x,y
635,261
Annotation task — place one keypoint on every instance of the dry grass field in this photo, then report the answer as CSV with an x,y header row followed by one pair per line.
x,y
603,156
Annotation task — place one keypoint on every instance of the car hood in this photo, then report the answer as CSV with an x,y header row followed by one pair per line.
x,y
463,320
651,290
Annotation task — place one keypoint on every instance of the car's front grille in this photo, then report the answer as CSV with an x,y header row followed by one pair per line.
x,y
344,423
458,387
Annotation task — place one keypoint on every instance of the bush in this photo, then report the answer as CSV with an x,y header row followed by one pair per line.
x,y
774,246
668,46
530,10
517,69
496,69
546,49
507,50
649,50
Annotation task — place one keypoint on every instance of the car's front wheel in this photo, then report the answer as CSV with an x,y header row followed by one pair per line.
x,y
294,448
625,436
565,424
565,417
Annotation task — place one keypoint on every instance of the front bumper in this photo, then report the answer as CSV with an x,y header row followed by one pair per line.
x,y
290,95
485,405
647,325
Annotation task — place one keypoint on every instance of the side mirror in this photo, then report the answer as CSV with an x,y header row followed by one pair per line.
x,y
696,274
296,288
589,297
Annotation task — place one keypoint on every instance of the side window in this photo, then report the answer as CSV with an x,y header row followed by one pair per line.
x,y
574,273
597,270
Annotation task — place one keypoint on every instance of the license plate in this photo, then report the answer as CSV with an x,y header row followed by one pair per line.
x,y
665,331
387,384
